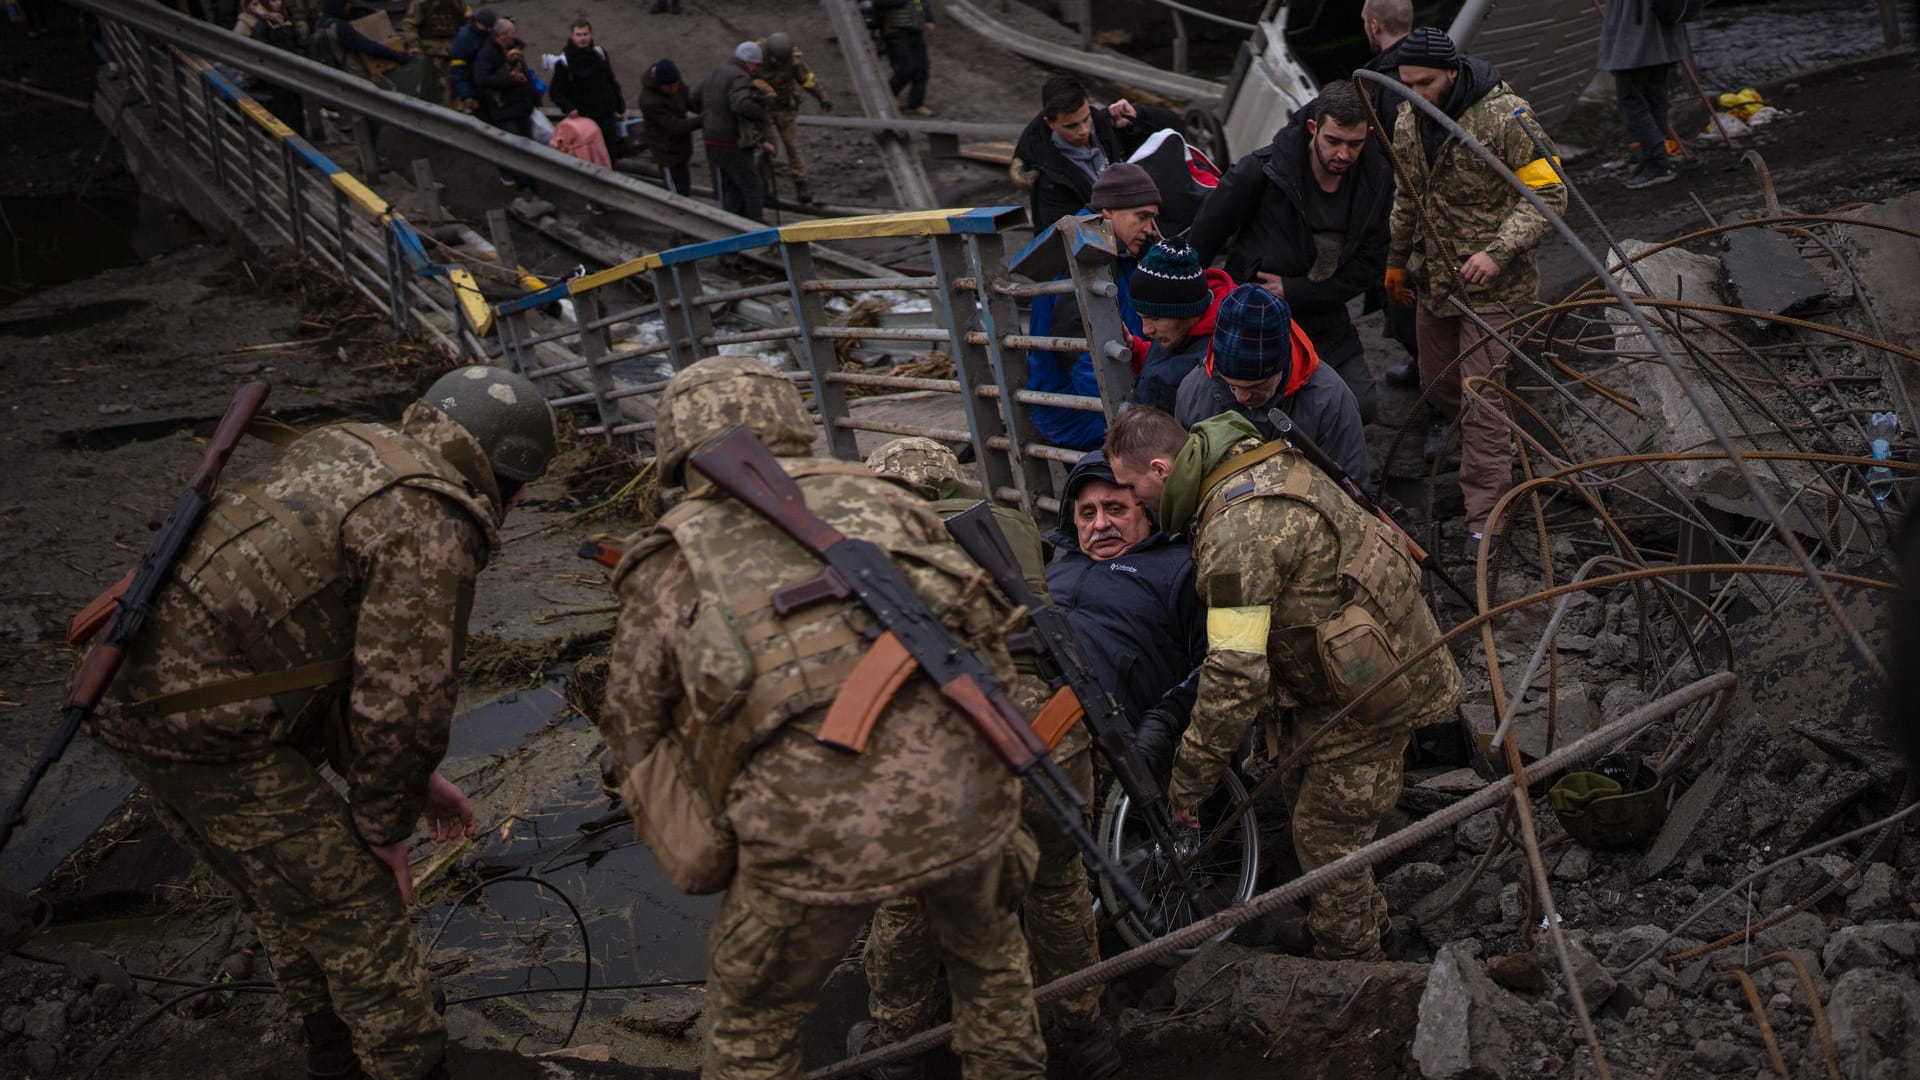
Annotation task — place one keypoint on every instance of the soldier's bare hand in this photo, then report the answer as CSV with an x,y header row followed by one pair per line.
x,y
1271,283
1480,269
449,815
395,856
1188,818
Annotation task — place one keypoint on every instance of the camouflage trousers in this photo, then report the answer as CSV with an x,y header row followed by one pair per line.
x,y
327,911
768,956
1062,937
788,125
1336,806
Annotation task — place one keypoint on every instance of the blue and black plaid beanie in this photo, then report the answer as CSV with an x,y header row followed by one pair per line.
x,y
1252,335
1168,283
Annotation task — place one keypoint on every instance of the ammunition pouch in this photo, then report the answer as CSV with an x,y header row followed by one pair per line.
x,y
1355,653
677,820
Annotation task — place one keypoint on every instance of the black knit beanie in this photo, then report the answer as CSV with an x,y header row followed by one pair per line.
x,y
1168,282
1429,47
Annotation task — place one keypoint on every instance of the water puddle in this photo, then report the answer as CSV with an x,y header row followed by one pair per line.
x,y
519,935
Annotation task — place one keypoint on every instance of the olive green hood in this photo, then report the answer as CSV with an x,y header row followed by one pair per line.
x,y
1209,442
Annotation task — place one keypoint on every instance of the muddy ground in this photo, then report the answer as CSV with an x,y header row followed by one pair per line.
x,y
114,375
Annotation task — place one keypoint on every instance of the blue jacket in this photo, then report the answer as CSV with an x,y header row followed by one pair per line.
x,y
466,49
1057,373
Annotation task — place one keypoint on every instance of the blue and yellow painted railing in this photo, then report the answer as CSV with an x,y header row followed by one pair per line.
x,y
473,304
980,220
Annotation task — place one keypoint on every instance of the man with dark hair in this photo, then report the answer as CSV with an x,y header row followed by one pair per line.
x,y
1460,233
1306,218
461,55
1260,360
1640,42
1066,148
1311,603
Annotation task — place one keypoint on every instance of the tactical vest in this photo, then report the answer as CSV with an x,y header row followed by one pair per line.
x,y
268,560
745,670
442,18
1328,660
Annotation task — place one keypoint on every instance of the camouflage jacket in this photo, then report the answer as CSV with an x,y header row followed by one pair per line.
x,y
407,559
1470,207
430,25
788,78
1279,552
926,800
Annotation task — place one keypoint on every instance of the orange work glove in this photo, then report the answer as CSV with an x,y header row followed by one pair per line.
x,y
1397,290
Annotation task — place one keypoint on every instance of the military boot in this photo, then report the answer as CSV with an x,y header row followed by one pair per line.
x,y
802,192
330,1048
1087,1053
865,1036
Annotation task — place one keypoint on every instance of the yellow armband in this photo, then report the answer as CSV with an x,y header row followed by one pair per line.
x,y
1539,173
1238,629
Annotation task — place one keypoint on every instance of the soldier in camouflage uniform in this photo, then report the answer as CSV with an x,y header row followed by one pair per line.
x,y
430,26
1459,231
318,615
1311,601
787,74
712,707
1061,931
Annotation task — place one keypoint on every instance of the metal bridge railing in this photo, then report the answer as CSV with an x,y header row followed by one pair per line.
x,y
322,212
973,293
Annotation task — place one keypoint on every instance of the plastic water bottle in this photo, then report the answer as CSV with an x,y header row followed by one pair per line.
x,y
1881,427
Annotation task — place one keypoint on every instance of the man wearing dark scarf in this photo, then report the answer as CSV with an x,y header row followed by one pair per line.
x,y
584,84
1462,235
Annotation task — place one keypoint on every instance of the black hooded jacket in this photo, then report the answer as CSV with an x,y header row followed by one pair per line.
x,y
1258,217
1139,620
1476,80
1059,186
583,82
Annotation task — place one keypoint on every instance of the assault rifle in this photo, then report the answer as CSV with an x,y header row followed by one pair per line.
x,y
103,661
1309,449
742,466
980,535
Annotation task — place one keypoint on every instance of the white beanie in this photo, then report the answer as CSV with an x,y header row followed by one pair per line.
x,y
747,53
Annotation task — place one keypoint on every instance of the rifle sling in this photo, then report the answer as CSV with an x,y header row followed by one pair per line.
x,y
1240,462
267,684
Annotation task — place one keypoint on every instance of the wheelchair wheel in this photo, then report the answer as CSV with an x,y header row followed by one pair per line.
x,y
1223,878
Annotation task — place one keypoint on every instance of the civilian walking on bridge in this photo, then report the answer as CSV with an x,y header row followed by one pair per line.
x,y
788,74
904,26
668,123
507,91
733,113
584,85
460,57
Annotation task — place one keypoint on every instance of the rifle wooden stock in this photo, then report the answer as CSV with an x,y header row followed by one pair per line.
x,y
744,468
103,660
1010,738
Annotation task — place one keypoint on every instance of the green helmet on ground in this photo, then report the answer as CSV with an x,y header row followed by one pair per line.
x,y
505,413
720,393
1620,804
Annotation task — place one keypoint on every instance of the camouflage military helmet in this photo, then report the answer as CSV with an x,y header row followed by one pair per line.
x,y
504,412
921,463
779,47
719,393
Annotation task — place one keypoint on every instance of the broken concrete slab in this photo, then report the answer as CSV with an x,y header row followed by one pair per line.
x,y
1460,1032
1874,944
1682,820
1875,1019
1766,273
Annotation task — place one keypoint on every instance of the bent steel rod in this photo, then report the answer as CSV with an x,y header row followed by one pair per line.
x,y
1717,685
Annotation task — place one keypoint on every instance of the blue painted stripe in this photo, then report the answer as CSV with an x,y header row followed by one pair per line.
x,y
410,245
1040,239
747,241
534,299
986,219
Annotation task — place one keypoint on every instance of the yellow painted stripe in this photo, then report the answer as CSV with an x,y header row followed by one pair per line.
x,y
528,281
910,223
258,114
1238,629
479,312
1538,173
611,274
360,193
